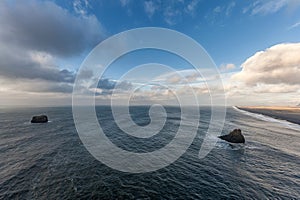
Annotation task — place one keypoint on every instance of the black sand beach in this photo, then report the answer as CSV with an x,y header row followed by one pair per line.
x,y
291,114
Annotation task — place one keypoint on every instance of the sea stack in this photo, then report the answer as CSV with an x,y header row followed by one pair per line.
x,y
234,136
39,119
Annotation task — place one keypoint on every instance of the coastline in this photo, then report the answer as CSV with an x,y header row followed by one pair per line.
x,y
290,114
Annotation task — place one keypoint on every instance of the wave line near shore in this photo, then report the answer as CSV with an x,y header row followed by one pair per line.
x,y
263,117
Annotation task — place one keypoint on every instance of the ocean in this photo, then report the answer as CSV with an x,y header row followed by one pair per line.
x,y
49,161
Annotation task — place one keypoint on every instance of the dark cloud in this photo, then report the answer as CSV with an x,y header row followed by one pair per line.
x,y
108,84
44,26
33,35
19,64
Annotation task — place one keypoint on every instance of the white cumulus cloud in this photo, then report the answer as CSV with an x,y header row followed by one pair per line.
x,y
279,64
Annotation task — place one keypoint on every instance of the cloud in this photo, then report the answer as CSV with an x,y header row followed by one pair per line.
x,y
279,64
294,25
33,36
161,89
226,9
124,85
80,7
179,77
276,88
265,7
85,74
269,77
124,2
217,9
34,86
172,11
219,13
16,63
192,77
229,8
170,15
107,86
227,67
44,26
150,8
268,7
191,7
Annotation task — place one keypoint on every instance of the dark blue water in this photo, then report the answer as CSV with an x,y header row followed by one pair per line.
x,y
48,161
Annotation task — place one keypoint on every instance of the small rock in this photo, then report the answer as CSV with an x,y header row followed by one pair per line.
x,y
39,119
234,136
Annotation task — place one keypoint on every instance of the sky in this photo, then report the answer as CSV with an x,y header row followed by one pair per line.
x,y
255,45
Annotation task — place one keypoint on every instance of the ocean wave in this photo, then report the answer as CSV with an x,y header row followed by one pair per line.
x,y
285,123
230,146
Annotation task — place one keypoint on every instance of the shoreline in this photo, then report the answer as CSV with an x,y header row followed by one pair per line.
x,y
290,114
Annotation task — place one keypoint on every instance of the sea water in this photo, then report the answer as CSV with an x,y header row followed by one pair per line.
x,y
49,161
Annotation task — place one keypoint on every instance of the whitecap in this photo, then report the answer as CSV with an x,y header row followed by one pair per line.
x,y
285,123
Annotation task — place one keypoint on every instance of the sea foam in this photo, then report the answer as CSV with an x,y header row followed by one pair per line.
x,y
285,123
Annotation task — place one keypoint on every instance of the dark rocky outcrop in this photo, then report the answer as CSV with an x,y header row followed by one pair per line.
x,y
234,136
39,119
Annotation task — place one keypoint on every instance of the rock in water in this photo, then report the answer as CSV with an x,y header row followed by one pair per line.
x,y
39,119
234,136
